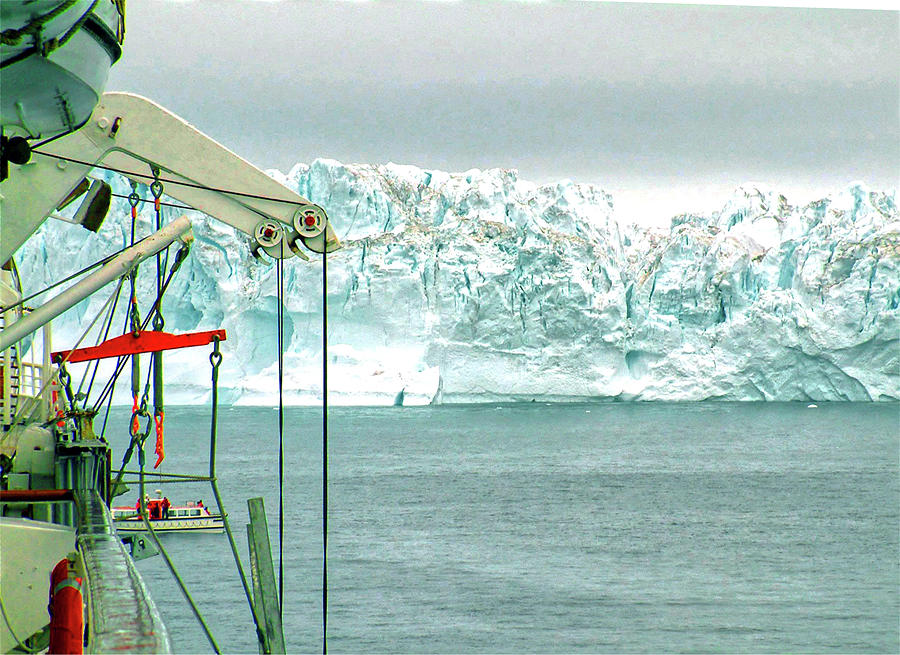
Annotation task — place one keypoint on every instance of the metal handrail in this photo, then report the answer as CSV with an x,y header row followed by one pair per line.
x,y
122,616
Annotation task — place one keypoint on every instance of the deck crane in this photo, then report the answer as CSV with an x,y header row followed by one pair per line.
x,y
134,135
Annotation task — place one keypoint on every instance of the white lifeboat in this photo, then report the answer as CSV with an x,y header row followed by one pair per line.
x,y
69,47
192,516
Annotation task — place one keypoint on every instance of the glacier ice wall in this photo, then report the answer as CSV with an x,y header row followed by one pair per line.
x,y
480,286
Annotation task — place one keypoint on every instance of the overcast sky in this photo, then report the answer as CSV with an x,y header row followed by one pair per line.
x,y
665,106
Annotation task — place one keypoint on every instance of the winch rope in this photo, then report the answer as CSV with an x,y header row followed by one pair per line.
x,y
279,273
180,256
142,438
164,204
55,137
114,381
133,314
20,644
99,262
192,185
215,360
102,336
106,414
324,452
156,359
25,410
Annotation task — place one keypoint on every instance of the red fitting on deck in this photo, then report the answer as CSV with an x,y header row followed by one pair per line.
x,y
35,495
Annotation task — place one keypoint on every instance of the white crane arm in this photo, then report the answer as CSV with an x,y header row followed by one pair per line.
x,y
131,133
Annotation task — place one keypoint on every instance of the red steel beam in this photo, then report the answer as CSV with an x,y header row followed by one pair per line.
x,y
35,495
147,341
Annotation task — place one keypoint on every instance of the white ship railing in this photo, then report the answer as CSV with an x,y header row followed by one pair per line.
x,y
30,379
23,382
6,397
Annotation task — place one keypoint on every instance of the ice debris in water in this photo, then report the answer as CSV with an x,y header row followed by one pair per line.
x,y
479,286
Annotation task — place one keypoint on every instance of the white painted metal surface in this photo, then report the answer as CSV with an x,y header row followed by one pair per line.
x,y
129,133
72,74
25,581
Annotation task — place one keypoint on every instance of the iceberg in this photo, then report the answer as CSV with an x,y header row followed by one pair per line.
x,y
482,287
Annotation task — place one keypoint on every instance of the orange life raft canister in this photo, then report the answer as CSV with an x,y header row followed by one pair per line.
x,y
66,614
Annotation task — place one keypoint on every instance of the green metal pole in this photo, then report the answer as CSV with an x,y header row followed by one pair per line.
x,y
262,549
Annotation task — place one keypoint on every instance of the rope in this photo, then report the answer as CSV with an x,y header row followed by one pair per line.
x,y
159,413
19,642
22,410
77,26
215,360
324,453
140,409
12,37
179,259
114,381
54,138
191,185
102,338
106,418
162,550
164,204
279,272
133,314
84,270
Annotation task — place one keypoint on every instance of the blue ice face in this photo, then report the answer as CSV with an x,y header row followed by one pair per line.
x,y
479,285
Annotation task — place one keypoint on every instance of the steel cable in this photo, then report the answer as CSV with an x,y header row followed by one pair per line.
x,y
279,272
324,453
191,185
215,360
30,407
162,550
179,258
99,262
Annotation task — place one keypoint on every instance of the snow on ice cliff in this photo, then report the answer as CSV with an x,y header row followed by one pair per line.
x,y
480,286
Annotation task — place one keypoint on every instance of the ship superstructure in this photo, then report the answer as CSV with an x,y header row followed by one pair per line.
x,y
58,474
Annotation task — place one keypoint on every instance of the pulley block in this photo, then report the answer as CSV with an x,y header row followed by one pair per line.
x,y
309,220
268,233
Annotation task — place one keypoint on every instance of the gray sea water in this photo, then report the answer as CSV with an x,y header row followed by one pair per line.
x,y
645,527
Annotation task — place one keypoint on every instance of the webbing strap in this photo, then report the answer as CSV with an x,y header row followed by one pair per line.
x,y
68,582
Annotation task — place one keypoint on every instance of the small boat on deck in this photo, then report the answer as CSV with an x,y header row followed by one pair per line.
x,y
190,517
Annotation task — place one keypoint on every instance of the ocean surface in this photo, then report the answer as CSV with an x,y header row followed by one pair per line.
x,y
614,527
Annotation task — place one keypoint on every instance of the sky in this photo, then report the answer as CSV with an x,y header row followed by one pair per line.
x,y
667,107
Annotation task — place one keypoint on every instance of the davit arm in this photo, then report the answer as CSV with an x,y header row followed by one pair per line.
x,y
131,133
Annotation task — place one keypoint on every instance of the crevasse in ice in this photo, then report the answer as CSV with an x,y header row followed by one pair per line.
x,y
479,286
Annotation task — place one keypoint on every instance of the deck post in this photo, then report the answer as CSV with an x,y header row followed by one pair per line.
x,y
263,574
257,589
